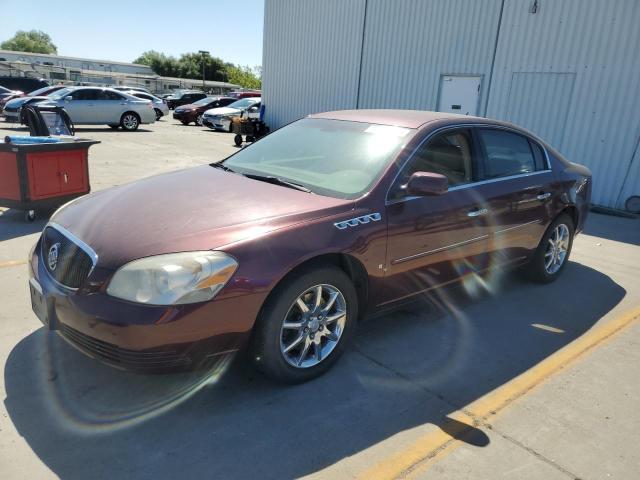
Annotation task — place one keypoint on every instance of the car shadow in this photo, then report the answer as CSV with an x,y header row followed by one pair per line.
x,y
13,223
410,369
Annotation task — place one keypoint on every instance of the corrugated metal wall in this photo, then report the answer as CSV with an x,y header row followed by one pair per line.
x,y
596,119
311,59
569,72
410,44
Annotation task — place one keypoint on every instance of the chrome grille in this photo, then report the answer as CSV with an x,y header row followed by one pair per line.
x,y
72,263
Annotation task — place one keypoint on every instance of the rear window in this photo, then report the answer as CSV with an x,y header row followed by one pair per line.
x,y
506,154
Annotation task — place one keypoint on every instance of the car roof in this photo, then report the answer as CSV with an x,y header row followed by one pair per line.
x,y
397,118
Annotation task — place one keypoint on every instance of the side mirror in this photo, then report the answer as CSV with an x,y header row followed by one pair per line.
x,y
426,183
253,109
68,98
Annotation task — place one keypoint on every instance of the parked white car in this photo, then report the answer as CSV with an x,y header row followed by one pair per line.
x,y
220,118
159,105
100,106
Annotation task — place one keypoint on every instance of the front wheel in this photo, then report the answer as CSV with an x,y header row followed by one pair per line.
x,y
199,119
553,251
159,113
130,121
237,139
305,325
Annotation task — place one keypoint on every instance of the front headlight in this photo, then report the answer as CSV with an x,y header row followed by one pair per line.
x,y
173,279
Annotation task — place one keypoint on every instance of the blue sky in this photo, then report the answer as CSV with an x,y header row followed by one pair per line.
x,y
122,30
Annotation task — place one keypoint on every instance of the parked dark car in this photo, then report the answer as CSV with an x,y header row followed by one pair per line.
x,y
13,108
193,112
184,97
291,241
24,84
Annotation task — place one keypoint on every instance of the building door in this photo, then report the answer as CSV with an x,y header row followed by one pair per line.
x,y
459,94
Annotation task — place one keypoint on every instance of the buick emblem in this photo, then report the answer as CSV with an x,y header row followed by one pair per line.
x,y
52,259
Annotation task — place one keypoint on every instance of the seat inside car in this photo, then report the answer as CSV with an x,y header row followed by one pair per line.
x,y
448,155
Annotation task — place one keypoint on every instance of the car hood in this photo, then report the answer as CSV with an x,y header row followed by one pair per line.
x,y
200,208
18,102
222,111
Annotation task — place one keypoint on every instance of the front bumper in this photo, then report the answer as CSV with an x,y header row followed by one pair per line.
x,y
140,337
216,123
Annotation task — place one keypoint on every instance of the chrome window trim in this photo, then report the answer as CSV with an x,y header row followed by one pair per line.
x,y
87,249
470,184
438,250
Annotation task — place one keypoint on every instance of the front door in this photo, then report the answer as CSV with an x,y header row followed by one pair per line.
x,y
433,240
459,94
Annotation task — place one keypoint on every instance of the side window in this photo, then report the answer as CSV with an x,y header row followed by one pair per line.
x,y
107,95
449,154
538,155
506,154
83,95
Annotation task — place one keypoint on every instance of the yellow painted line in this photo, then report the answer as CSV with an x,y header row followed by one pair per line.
x,y
426,448
12,263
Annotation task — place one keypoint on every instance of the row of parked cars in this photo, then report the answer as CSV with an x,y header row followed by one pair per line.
x,y
129,107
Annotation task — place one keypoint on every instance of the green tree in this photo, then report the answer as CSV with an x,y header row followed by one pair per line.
x,y
164,65
34,41
246,76
191,67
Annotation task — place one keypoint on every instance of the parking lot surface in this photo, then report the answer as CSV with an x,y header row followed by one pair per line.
x,y
495,379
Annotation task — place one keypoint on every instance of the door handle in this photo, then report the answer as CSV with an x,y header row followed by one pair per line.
x,y
543,196
66,177
477,212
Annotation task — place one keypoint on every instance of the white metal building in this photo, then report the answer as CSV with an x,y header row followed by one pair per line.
x,y
569,70
75,63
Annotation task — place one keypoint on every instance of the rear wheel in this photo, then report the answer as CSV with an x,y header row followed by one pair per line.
x,y
305,325
130,121
159,113
553,251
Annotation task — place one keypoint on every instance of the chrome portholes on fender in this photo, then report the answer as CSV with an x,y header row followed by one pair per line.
x,y
354,222
313,326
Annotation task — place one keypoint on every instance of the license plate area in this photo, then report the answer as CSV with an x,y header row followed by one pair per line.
x,y
39,303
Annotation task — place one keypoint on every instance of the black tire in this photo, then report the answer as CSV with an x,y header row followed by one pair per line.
x,y
265,348
30,215
536,269
237,140
115,127
130,121
159,114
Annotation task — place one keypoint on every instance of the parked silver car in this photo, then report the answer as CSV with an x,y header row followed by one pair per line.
x,y
159,105
100,106
220,118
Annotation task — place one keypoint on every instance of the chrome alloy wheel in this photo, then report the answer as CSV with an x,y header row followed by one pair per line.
x,y
313,326
130,121
557,246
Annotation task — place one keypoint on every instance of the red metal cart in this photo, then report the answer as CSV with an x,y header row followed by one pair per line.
x,y
43,176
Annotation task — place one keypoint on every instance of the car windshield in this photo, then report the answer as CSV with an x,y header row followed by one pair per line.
x,y
330,157
244,103
204,101
60,93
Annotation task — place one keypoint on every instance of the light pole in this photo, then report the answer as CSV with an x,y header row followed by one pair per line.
x,y
203,53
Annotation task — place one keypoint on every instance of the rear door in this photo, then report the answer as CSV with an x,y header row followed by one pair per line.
x,y
517,185
112,106
433,240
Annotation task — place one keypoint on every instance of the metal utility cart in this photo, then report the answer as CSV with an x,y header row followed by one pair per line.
x,y
42,172
252,128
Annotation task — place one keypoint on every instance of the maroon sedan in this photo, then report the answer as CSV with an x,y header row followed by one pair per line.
x,y
193,112
291,241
